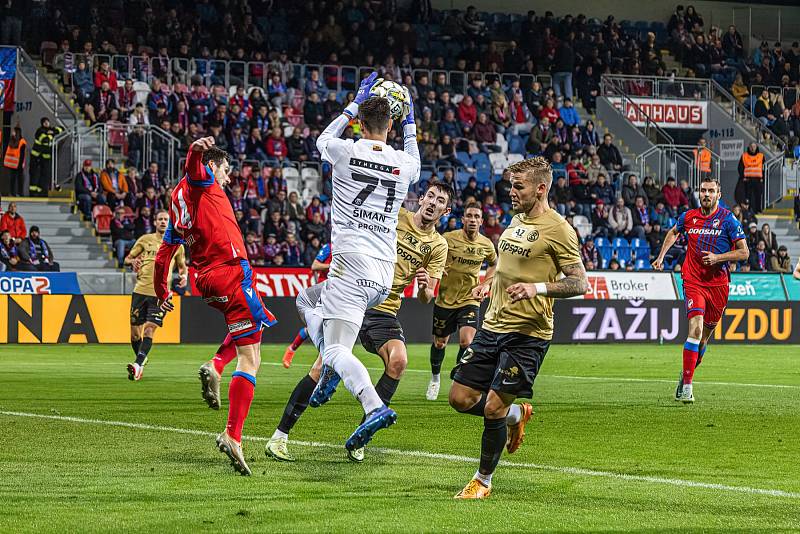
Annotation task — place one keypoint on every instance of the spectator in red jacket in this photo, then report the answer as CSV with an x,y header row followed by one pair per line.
x,y
105,74
276,146
467,112
14,223
549,111
674,197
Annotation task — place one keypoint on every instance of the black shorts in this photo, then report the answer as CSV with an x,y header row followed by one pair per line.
x,y
506,363
448,320
144,309
379,328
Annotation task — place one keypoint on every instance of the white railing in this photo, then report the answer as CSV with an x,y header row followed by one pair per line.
x,y
100,142
256,74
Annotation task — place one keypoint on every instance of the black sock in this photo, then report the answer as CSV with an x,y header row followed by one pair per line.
x,y
297,404
460,354
135,345
493,442
478,408
386,387
144,349
437,357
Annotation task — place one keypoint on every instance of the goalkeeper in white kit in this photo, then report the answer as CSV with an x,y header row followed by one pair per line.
x,y
370,181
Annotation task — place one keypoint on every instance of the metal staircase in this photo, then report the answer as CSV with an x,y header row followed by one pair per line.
x,y
74,243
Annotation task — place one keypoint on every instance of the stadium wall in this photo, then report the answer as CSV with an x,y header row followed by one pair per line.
x,y
105,319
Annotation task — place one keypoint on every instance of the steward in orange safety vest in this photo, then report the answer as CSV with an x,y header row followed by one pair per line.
x,y
14,161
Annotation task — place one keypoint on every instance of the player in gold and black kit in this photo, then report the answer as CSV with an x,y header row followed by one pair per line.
x,y
421,256
504,358
455,309
146,315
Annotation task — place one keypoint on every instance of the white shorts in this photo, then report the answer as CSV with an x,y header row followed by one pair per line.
x,y
355,283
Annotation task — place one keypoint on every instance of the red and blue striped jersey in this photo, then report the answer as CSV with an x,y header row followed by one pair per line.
x,y
201,216
716,233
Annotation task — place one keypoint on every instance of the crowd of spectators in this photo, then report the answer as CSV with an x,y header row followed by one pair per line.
x,y
21,249
273,124
766,81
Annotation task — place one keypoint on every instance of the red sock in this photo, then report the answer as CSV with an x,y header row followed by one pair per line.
x,y
225,354
690,355
299,338
240,395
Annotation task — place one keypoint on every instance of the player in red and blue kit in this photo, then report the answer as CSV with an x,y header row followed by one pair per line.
x,y
201,217
714,238
320,268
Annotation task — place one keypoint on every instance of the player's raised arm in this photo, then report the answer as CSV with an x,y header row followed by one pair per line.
x,y
328,141
199,174
161,269
410,136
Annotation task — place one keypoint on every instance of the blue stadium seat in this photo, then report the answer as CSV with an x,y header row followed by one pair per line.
x,y
483,171
606,253
621,242
623,250
642,253
464,158
636,242
516,145
425,174
601,242
642,265
603,263
479,157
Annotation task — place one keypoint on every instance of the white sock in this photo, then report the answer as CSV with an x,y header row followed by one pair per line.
x,y
314,322
354,375
435,378
514,414
485,479
280,435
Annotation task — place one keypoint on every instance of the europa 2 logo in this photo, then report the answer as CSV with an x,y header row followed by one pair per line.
x,y
33,285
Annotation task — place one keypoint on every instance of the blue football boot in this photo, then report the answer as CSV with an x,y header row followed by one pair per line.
x,y
377,419
326,387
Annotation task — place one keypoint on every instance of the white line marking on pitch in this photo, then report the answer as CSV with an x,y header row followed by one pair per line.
x,y
546,376
577,471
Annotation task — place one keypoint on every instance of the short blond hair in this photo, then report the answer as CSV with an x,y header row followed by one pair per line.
x,y
536,169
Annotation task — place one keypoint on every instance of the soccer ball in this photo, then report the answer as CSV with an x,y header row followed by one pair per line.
x,y
395,93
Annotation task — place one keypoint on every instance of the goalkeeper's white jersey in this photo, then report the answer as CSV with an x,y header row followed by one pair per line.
x,y
370,182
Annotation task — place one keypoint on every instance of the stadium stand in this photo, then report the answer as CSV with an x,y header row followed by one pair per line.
x,y
489,88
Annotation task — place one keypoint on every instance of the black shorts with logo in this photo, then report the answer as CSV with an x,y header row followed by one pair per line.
x,y
144,309
506,363
377,329
448,320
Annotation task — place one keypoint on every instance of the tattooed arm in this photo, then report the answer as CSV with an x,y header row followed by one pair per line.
x,y
573,284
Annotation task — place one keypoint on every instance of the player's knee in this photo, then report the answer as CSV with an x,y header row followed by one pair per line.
x,y
397,365
440,342
495,408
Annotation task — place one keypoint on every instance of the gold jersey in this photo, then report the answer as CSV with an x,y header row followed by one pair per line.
x,y
463,267
531,250
146,248
415,249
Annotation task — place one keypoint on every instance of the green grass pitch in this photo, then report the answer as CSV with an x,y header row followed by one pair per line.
x,y
607,449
